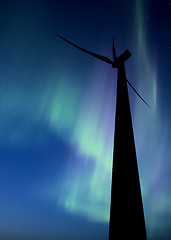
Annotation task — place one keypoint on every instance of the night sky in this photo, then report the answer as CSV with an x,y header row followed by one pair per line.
x,y
57,111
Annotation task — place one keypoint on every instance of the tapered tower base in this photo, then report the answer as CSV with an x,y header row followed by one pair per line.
x,y
126,215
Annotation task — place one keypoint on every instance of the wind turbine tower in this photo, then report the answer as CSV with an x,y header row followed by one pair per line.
x,y
126,210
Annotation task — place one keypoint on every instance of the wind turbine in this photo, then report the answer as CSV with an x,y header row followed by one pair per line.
x,y
126,210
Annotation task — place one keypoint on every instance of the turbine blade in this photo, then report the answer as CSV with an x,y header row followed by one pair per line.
x,y
105,59
137,93
114,51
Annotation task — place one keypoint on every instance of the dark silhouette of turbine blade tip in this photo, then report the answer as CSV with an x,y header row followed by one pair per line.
x,y
138,94
114,51
105,59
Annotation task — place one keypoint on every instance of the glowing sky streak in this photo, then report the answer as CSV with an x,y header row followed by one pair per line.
x,y
57,114
87,190
147,126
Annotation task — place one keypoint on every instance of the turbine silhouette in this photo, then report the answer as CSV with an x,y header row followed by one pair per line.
x,y
126,210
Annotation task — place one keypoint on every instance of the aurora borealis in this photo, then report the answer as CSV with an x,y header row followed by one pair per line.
x,y
57,109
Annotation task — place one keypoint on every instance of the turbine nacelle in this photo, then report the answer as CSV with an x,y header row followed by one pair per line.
x,y
121,59
117,61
